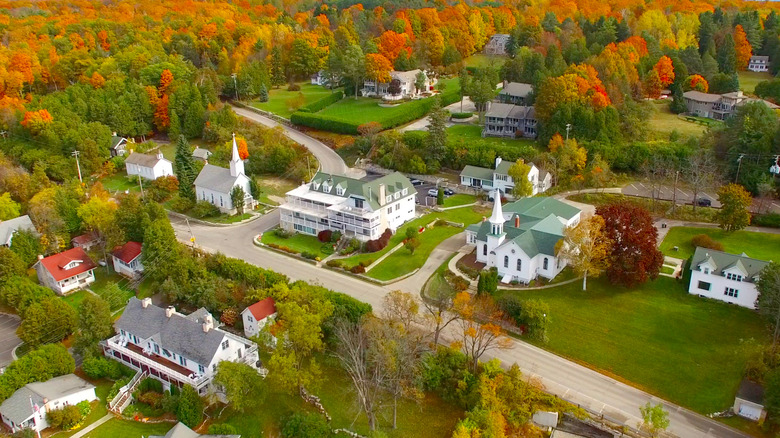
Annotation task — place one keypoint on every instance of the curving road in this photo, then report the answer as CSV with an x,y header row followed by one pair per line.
x,y
568,380
330,161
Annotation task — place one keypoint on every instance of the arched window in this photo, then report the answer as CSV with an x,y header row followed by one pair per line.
x,y
506,261
546,263
519,265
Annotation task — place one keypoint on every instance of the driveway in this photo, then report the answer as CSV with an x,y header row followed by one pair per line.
x,y
564,378
8,338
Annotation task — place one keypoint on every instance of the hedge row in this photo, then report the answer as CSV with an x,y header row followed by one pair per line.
x,y
414,110
323,103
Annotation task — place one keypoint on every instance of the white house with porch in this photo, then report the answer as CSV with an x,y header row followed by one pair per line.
x,y
67,271
356,208
519,239
498,178
148,166
726,277
127,260
173,348
28,406
214,184
406,80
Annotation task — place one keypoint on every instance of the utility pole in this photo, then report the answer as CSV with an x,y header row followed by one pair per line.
x,y
739,166
140,183
78,166
568,127
235,84
674,195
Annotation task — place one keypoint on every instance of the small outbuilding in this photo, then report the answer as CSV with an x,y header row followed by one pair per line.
x,y
749,402
127,259
256,316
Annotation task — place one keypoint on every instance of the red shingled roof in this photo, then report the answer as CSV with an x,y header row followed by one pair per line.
x,y
84,238
263,309
55,264
128,252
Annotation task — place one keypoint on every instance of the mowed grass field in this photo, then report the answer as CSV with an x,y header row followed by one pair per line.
x,y
763,246
664,122
680,347
278,97
472,133
749,79
482,60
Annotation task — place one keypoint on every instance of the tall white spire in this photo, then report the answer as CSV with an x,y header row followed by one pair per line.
x,y
236,164
497,218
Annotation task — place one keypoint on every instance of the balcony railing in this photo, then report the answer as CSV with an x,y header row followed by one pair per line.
x,y
116,344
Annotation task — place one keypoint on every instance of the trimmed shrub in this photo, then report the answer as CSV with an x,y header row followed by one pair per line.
x,y
151,398
461,115
293,87
358,269
150,384
335,237
204,209
325,236
767,220
308,255
379,244
302,425
335,263
327,249
323,103
706,241
282,234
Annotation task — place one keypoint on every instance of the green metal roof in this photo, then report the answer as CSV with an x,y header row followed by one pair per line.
x,y
367,190
541,207
477,172
534,236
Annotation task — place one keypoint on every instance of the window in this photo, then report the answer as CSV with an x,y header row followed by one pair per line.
x,y
388,198
358,203
397,195
214,368
484,250
220,201
156,349
406,192
182,361
225,344
546,263
166,352
249,318
519,265
339,191
506,261
731,292
706,270
239,353
397,207
201,369
735,277
703,285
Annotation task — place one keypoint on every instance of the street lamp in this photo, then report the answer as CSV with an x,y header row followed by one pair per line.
x,y
235,84
568,127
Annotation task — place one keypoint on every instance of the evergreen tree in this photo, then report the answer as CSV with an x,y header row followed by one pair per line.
x,y
437,134
185,168
277,70
263,96
174,129
190,409
727,55
677,105
709,66
194,120
706,32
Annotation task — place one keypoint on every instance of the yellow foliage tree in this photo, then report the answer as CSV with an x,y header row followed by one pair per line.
x,y
586,248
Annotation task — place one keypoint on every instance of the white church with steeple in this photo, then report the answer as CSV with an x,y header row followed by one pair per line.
x,y
519,238
214,184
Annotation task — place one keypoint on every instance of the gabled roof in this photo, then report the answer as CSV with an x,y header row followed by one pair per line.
x,y
117,141
177,333
56,263
144,160
722,261
84,238
17,408
203,154
751,391
541,207
533,236
9,227
216,178
366,190
477,172
262,309
517,89
701,97
128,252
180,430
405,76
499,110
759,58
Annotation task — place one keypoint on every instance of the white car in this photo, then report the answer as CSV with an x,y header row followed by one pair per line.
x,y
433,193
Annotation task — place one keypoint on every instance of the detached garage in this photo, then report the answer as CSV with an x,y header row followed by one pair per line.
x,y
749,402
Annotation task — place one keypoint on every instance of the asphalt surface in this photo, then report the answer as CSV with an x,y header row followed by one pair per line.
x,y
8,338
568,380
685,196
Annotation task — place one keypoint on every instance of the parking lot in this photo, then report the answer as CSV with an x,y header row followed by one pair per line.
x,y
423,198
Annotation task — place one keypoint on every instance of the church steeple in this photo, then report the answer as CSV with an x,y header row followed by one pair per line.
x,y
236,164
497,218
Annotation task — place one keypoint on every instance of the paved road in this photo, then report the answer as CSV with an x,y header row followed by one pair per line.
x,y
564,378
8,338
685,196
330,161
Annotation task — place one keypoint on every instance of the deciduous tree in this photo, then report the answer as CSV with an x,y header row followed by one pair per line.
x,y
634,257
768,285
378,67
9,209
436,143
665,70
586,248
480,328
94,325
50,320
735,201
244,387
655,418
742,48
519,174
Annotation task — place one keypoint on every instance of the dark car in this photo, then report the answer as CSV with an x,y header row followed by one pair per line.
x,y
449,192
704,202
416,182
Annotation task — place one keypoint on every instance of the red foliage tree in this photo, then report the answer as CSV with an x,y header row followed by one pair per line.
x,y
166,79
665,70
635,257
742,46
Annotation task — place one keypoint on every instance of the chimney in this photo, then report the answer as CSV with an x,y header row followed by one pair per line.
x,y
505,82
146,302
517,221
498,161
114,134
40,256
382,194
208,323
170,311
206,161
159,155
484,218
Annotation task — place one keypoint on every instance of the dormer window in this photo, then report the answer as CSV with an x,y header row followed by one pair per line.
x,y
705,269
388,198
315,185
325,188
397,195
339,191
406,192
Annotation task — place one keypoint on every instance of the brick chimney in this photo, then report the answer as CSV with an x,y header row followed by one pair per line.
x,y
146,302
517,221
170,311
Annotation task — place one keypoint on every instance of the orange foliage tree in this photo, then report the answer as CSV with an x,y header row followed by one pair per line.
x,y
36,121
378,67
480,326
743,48
665,70
166,79
391,44
697,83
162,119
97,80
243,148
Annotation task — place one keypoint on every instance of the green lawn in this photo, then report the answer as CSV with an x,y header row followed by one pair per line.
x,y
116,428
678,346
472,133
402,262
102,280
362,110
75,299
466,215
482,60
278,97
119,183
762,246
663,122
297,242
660,208
749,79
459,199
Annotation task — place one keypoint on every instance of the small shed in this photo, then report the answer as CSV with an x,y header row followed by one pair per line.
x,y
749,402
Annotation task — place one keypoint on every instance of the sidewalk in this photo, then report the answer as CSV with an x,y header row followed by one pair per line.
x,y
93,426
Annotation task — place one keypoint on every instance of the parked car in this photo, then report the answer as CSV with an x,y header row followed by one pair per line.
x,y
449,192
433,192
704,202
416,182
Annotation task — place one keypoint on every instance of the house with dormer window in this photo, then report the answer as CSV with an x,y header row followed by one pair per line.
x,y
498,178
726,277
67,271
362,209
173,348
